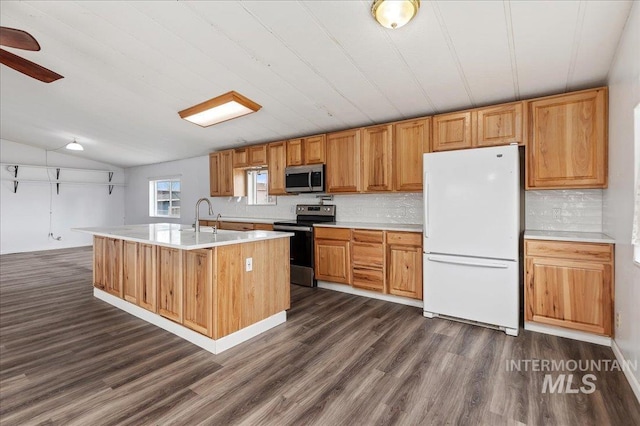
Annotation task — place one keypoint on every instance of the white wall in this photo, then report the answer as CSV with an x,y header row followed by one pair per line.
x,y
194,174
24,215
624,95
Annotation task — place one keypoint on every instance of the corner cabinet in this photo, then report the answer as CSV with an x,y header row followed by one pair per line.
x,y
343,162
570,285
567,145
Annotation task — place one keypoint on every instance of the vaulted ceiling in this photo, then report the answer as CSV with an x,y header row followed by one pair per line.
x,y
314,66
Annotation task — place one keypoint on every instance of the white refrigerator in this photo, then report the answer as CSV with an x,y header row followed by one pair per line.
x,y
471,236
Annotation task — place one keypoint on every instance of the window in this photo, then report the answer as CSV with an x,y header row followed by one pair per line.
x,y
164,198
258,188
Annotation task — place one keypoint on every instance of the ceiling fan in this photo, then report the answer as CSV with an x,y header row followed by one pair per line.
x,y
19,39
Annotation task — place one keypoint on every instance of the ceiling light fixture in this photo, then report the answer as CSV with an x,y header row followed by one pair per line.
x,y
222,108
394,14
74,146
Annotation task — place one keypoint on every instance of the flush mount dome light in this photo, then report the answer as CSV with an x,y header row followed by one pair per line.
x,y
394,14
222,108
74,146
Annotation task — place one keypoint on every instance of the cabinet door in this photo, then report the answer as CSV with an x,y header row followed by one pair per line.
x,y
377,158
214,174
130,271
198,287
276,163
571,294
258,155
98,262
332,259
451,131
314,149
147,277
405,271
567,147
113,266
295,152
411,140
226,173
240,157
343,162
499,125
170,283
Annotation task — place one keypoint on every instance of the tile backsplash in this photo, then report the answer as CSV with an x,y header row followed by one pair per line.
x,y
369,208
564,210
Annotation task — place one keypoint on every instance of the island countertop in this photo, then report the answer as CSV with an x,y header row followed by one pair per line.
x,y
181,236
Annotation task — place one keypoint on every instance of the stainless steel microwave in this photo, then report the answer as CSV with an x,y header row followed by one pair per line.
x,y
304,178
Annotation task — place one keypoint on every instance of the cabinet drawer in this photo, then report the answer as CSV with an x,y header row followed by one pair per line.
x,y
343,234
370,279
236,226
404,238
570,250
367,255
362,236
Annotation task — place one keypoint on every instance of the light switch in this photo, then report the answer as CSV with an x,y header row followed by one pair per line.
x,y
248,264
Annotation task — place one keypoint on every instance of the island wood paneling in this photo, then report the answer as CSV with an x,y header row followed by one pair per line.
x,y
198,290
147,277
112,268
170,283
130,271
228,290
98,263
69,358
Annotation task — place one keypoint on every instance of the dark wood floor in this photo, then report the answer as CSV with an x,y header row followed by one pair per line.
x,y
68,358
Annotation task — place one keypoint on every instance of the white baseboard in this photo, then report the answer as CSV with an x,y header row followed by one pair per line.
x,y
631,378
211,345
344,288
569,334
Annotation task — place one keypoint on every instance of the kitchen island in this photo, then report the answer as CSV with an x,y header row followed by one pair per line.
x,y
215,290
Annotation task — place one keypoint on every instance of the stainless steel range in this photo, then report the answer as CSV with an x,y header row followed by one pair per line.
x,y
302,256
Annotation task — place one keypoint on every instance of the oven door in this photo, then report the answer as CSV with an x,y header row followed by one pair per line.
x,y
301,253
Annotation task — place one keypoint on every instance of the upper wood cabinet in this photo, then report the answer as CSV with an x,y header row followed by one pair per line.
x,y
240,157
498,125
258,155
309,150
451,131
214,174
343,162
569,285
276,163
567,146
224,180
377,158
410,141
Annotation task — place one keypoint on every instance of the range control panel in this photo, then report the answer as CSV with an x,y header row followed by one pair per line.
x,y
315,210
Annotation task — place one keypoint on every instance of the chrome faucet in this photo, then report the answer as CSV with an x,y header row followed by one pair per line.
x,y
198,212
217,225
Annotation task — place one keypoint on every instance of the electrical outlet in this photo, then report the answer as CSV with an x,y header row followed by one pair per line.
x,y
248,263
617,319
556,213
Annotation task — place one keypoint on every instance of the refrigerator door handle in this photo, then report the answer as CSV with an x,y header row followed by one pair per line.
x,y
469,263
425,185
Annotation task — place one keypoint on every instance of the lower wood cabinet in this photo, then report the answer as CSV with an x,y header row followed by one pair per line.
x,y
197,290
368,260
333,254
570,285
169,285
107,261
387,262
404,260
130,271
146,277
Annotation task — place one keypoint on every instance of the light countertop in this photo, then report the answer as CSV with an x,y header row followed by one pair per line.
x,y
181,236
404,227
247,219
583,237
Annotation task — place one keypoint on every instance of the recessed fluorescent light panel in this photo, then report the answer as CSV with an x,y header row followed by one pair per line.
x,y
222,108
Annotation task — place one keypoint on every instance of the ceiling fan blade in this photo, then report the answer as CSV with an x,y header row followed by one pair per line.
x,y
17,38
27,67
